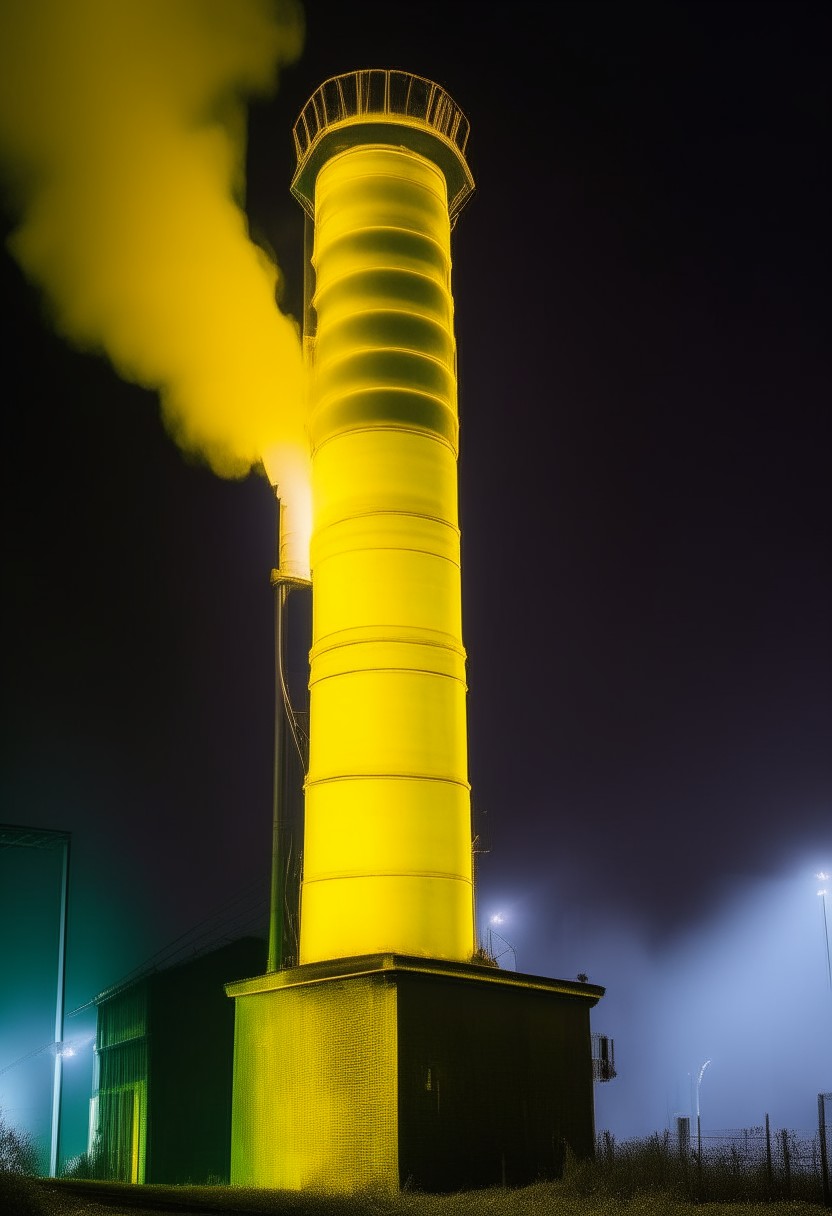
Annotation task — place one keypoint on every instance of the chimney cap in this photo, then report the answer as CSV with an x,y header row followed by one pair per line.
x,y
361,107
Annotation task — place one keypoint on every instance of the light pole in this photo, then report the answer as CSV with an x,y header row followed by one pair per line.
x,y
823,892
16,836
698,1121
822,1097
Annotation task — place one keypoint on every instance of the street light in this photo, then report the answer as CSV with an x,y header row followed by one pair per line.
x,y
698,1121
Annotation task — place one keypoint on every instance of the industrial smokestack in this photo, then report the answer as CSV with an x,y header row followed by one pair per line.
x,y
387,855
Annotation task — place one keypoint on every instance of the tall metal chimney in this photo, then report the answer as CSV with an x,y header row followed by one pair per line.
x,y
387,853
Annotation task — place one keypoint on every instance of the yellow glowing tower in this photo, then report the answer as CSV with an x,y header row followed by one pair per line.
x,y
387,852
387,1052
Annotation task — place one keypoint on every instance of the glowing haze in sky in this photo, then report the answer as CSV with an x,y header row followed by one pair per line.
x,y
747,987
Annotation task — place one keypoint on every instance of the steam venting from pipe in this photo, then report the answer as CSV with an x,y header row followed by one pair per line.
x,y
122,138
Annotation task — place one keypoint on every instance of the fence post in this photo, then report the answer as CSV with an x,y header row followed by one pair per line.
x,y
824,1161
768,1154
683,1135
787,1163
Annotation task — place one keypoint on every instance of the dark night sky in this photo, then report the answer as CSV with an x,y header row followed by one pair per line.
x,y
641,285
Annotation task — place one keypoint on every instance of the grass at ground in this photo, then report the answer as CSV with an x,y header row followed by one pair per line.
x,y
544,1199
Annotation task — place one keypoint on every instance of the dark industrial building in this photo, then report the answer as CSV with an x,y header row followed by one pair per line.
x,y
162,1103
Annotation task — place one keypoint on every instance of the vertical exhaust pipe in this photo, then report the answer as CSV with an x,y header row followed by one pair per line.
x,y
283,580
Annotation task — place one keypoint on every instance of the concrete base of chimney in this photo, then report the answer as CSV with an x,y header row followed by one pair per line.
x,y
386,1071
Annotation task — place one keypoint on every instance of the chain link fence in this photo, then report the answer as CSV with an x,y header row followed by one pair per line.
x,y
728,1165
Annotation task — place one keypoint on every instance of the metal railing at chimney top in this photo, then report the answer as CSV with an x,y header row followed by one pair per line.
x,y
379,92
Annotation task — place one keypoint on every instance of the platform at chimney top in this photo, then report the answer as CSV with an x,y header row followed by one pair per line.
x,y
388,1070
358,108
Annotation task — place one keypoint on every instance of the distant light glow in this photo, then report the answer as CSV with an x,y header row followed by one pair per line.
x,y
497,919
759,928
